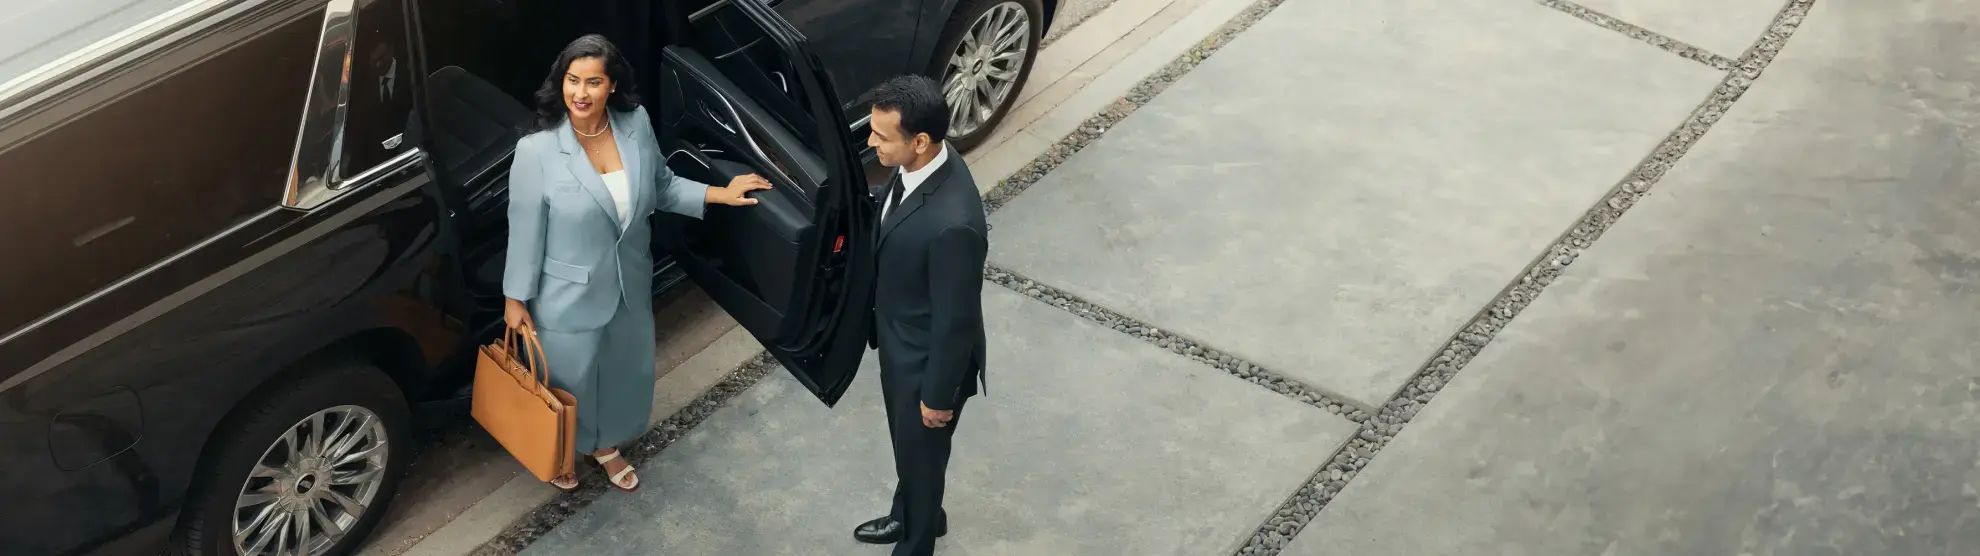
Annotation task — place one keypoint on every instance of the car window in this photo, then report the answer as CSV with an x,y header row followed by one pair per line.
x,y
746,55
380,102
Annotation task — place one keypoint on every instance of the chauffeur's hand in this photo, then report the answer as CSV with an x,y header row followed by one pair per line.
x,y
733,195
936,418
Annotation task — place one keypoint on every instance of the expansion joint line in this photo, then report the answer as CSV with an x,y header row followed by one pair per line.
x,y
1654,38
1180,345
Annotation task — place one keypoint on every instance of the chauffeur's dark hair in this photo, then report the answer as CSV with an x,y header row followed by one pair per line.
x,y
919,102
550,109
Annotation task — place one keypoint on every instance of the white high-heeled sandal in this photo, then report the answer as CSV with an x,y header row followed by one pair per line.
x,y
619,479
566,487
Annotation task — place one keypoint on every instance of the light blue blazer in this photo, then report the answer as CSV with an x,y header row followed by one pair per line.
x,y
568,258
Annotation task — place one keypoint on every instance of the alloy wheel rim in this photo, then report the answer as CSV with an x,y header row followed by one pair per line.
x,y
312,484
983,70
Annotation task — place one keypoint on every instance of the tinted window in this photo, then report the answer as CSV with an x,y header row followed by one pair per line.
x,y
380,105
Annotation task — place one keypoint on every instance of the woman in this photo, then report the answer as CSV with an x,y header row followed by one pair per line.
x,y
580,264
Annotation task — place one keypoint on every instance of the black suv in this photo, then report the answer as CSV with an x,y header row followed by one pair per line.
x,y
246,238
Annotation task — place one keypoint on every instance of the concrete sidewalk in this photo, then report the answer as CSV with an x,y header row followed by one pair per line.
x,y
1089,442
1773,354
1101,443
464,490
1337,212
1347,183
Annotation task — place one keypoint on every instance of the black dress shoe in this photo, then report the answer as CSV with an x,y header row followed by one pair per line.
x,y
884,530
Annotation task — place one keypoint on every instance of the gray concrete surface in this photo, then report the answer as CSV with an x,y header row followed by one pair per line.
x,y
1069,15
1724,27
460,493
1339,234
1088,443
1772,354
1095,66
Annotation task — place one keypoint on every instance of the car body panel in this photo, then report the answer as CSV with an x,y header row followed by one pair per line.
x,y
863,42
186,302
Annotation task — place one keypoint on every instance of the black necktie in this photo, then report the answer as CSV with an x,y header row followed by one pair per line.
x,y
893,199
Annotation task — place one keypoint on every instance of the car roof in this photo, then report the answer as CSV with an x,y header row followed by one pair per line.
x,y
34,33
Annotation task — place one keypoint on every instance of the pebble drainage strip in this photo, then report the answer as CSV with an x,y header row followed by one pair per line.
x,y
1376,427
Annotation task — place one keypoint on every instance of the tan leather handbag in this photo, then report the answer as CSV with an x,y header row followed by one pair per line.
x,y
513,400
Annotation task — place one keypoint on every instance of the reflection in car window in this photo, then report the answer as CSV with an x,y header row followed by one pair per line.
x,y
381,94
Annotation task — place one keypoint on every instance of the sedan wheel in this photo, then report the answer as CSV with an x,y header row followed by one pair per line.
x,y
987,67
314,483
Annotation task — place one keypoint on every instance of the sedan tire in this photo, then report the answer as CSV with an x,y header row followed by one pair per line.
x,y
984,58
311,460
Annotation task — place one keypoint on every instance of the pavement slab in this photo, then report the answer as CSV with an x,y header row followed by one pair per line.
x,y
1345,184
1723,27
1089,442
1771,354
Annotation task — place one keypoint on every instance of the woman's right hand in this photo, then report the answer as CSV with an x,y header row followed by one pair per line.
x,y
736,193
515,313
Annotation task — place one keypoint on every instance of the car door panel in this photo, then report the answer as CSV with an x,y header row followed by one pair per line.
x,y
756,242
795,268
720,106
744,243
785,216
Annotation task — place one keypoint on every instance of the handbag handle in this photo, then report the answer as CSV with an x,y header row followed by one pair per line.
x,y
536,374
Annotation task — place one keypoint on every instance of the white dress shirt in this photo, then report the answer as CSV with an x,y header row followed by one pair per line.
x,y
912,180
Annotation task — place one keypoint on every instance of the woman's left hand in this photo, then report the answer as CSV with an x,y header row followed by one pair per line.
x,y
733,195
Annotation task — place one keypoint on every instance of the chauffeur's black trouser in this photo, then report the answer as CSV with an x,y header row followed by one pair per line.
x,y
921,459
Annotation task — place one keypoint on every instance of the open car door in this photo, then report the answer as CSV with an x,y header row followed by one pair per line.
x,y
741,94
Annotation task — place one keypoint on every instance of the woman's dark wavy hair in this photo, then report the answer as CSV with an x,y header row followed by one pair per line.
x,y
550,109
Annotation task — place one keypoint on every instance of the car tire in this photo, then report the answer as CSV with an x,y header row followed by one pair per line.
x,y
349,404
975,17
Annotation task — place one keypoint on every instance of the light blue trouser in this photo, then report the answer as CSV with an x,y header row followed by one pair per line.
x,y
610,371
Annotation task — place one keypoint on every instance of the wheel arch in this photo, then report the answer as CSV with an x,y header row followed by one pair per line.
x,y
392,351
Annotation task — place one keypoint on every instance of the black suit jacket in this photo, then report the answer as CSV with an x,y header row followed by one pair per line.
x,y
928,303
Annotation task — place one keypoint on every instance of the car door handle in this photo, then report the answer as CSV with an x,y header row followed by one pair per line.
x,y
691,157
717,118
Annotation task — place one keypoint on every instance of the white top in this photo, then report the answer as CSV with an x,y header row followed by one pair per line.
x,y
912,180
621,195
